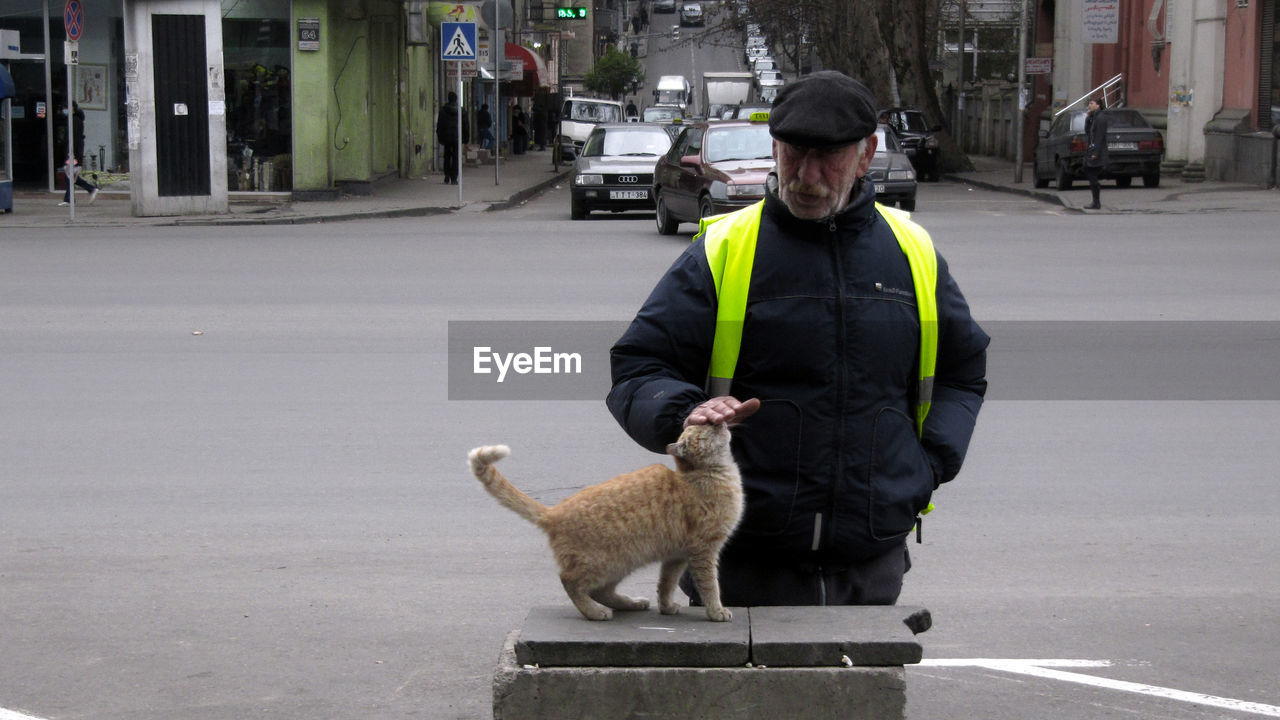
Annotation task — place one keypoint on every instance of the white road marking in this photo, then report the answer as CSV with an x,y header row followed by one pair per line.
x,y
12,715
1046,669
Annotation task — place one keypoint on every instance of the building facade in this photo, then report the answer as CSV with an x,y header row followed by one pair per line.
x,y
192,100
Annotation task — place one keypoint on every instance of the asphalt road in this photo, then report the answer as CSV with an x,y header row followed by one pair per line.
x,y
234,482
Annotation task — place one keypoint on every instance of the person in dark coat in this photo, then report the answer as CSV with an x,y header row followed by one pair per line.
x,y
1095,160
484,125
75,163
519,131
833,465
447,136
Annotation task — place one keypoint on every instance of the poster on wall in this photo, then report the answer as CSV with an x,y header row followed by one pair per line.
x,y
91,86
1102,22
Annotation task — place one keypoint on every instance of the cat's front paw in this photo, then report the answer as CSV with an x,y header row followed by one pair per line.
x,y
670,609
601,613
721,614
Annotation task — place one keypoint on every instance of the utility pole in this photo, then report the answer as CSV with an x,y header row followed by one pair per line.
x,y
960,88
1023,95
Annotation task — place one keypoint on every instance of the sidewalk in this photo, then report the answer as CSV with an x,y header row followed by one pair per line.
x,y
1172,197
524,176
520,177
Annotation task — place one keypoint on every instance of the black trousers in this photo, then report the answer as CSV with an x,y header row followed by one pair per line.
x,y
750,582
450,160
1093,174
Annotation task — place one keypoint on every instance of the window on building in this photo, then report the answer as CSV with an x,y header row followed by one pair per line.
x,y
257,66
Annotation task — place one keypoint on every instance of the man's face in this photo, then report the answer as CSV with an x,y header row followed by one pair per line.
x,y
815,183
1093,105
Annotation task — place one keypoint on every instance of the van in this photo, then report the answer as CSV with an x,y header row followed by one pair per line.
x,y
673,90
578,117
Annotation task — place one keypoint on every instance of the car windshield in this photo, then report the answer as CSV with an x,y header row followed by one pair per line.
x,y
912,122
627,141
746,142
594,112
886,142
662,114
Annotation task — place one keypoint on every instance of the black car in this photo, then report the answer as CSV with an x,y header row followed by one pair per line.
x,y
891,172
918,139
615,170
1134,149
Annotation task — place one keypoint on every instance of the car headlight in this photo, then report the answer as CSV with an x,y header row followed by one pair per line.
x,y
746,190
902,175
589,180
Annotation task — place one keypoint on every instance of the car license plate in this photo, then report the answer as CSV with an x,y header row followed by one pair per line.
x,y
628,194
1122,146
880,187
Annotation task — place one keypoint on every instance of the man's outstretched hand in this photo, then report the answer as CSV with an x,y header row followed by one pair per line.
x,y
723,409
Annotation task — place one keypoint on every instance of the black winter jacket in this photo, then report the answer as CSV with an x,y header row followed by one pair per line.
x,y
832,468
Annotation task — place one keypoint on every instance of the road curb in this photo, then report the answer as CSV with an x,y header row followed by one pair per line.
x,y
1051,198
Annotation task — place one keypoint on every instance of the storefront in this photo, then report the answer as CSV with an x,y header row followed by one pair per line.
x,y
259,98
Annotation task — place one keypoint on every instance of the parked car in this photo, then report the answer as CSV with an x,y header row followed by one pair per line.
x,y
615,169
691,14
1134,149
662,113
712,168
763,62
664,6
919,140
891,171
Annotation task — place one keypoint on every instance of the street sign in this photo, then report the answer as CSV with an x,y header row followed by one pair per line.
x,y
73,19
457,41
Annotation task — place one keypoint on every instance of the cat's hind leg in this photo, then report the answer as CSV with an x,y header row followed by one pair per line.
x,y
580,593
609,597
667,581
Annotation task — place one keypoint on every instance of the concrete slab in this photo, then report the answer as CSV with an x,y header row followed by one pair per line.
x,y
706,693
824,636
560,636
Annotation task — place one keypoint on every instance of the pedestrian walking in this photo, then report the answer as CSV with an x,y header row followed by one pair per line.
x,y
835,334
447,136
484,125
1095,133
73,168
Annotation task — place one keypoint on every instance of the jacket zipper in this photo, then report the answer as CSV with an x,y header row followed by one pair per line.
x,y
827,536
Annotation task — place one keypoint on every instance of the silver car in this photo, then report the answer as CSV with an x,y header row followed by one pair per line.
x,y
615,169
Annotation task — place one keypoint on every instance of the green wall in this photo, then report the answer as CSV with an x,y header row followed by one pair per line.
x,y
311,148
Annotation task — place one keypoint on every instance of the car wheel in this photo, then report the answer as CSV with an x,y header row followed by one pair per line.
x,y
704,207
578,208
666,224
1040,182
908,205
1124,181
1064,176
1152,180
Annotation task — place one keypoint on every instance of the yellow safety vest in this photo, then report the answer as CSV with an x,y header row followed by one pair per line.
x,y
730,244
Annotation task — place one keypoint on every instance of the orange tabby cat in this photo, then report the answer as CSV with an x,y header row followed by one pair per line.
x,y
602,533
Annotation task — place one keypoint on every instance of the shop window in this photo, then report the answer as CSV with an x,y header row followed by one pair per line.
x,y
259,104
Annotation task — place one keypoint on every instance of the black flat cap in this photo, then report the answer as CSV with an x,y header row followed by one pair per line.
x,y
826,109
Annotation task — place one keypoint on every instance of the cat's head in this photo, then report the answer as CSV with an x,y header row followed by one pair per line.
x,y
700,443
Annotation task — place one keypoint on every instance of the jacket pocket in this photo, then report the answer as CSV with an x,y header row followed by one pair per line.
x,y
767,446
900,478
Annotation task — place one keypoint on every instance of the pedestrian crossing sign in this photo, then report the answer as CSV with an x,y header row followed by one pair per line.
x,y
458,41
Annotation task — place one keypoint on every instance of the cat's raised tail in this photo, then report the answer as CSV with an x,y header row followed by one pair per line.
x,y
482,460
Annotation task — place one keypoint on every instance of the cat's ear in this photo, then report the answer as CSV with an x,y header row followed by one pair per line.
x,y
677,449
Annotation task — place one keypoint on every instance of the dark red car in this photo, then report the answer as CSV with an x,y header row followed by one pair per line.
x,y
712,168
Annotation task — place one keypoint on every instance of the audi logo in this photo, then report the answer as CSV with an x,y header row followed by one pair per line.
x,y
629,179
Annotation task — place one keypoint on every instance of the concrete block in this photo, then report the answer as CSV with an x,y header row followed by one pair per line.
x,y
823,636
560,636
589,693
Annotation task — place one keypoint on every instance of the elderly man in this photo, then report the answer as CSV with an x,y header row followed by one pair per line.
x,y
832,324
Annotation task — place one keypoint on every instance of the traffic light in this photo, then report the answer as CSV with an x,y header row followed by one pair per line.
x,y
571,13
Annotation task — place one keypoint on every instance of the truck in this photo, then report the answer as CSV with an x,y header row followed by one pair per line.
x,y
578,117
723,90
673,90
